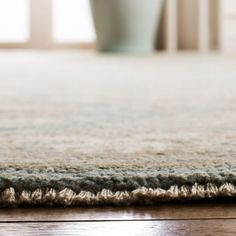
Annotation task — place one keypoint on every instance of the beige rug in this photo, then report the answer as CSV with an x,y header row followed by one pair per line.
x,y
86,129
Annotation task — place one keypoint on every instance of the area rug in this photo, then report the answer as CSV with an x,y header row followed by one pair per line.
x,y
90,130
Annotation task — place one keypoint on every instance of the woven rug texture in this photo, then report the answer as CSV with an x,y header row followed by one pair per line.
x,y
86,129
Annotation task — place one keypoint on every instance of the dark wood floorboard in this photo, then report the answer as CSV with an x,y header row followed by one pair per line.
x,y
162,212
129,228
167,219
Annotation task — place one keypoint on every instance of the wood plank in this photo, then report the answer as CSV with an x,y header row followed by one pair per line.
x,y
41,24
203,25
170,211
171,25
167,228
188,24
215,34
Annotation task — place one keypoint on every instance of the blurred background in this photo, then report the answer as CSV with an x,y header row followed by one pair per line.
x,y
199,25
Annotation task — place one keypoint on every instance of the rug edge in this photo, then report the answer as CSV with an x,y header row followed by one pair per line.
x,y
144,196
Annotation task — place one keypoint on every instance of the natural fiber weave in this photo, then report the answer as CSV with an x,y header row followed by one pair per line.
x,y
147,196
82,129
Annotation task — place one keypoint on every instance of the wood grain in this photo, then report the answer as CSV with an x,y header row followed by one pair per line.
x,y
167,228
163,212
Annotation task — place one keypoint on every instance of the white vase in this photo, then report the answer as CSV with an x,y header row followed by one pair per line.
x,y
126,25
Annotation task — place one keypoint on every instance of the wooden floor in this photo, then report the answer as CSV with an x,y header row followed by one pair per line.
x,y
169,219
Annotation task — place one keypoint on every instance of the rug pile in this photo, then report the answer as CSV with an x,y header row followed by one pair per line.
x,y
87,130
